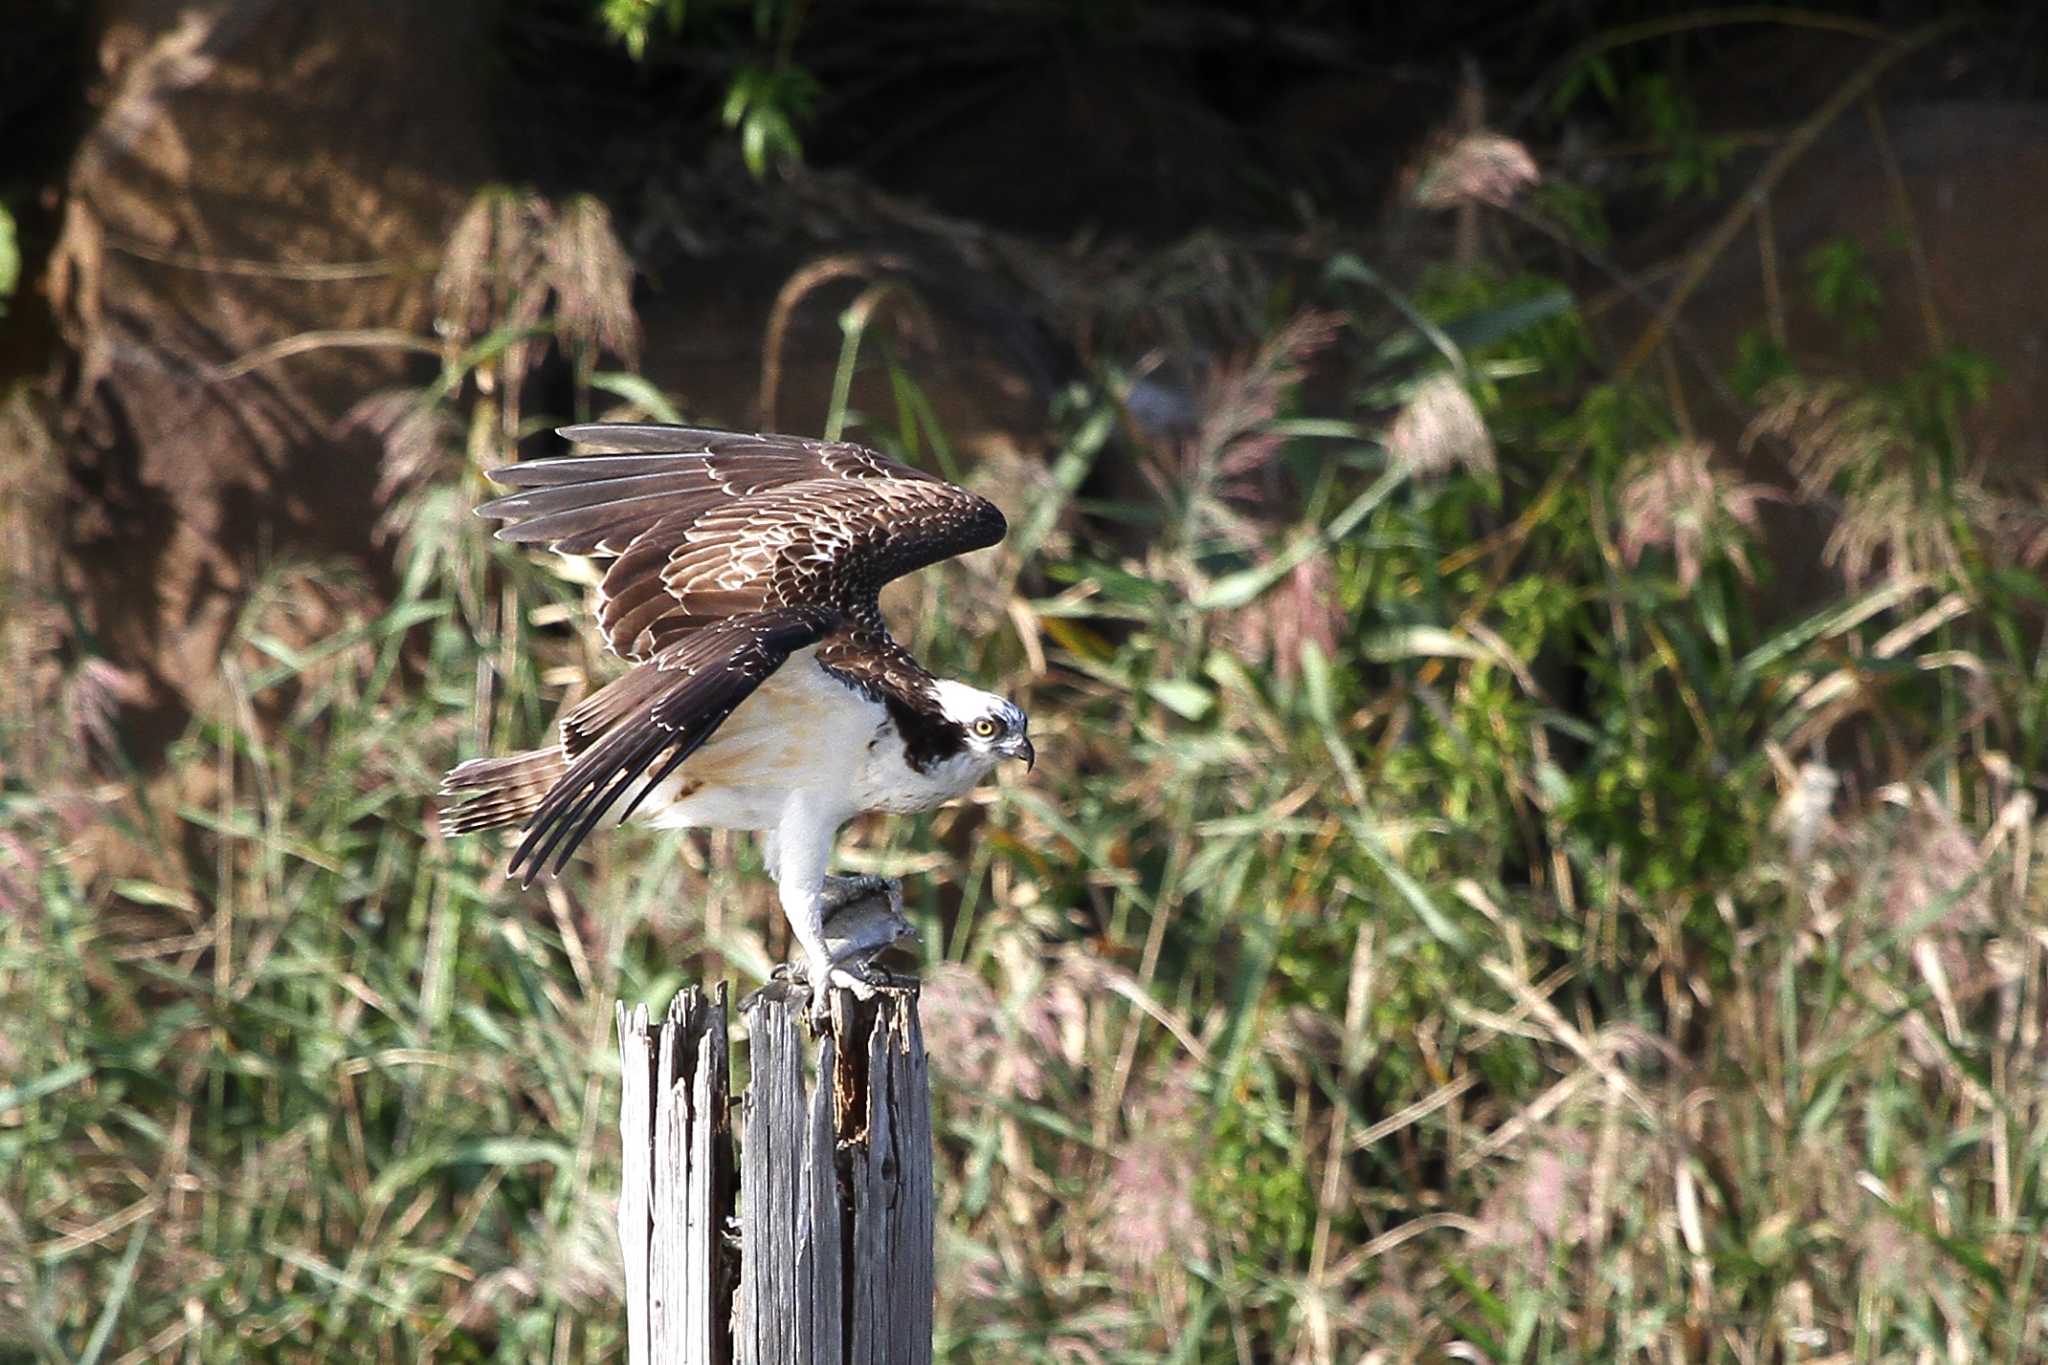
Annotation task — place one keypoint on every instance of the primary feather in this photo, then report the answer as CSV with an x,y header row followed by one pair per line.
x,y
693,687
706,525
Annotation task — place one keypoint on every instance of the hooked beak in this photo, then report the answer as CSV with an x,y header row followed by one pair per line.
x,y
1021,748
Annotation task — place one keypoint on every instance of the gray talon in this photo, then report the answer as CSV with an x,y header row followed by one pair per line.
x,y
842,893
863,917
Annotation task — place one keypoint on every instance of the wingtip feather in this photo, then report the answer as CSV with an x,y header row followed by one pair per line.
x,y
589,433
644,437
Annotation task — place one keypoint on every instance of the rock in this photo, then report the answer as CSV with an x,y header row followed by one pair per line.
x,y
258,172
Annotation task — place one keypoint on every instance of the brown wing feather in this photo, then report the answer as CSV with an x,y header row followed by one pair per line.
x,y
709,525
654,718
487,792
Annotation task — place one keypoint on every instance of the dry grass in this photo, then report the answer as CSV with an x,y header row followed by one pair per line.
x,y
1551,963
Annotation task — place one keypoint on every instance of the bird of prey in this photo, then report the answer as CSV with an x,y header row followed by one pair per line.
x,y
765,692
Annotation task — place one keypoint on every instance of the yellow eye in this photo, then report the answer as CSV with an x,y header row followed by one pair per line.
x,y
985,728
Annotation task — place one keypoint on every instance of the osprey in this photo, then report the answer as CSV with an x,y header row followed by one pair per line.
x,y
765,691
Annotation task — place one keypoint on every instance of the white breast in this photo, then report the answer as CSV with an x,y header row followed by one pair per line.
x,y
801,729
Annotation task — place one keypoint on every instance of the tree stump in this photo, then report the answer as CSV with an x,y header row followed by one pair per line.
x,y
812,1245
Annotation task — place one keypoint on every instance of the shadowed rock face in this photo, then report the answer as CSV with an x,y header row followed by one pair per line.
x,y
1972,188
1967,181
235,147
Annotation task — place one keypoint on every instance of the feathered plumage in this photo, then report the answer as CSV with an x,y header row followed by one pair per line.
x,y
709,525
732,557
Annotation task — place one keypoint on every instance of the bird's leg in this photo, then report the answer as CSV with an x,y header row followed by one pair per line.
x,y
802,848
863,918
807,922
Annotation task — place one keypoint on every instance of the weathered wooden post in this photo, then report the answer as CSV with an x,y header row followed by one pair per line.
x,y
831,1252
676,1189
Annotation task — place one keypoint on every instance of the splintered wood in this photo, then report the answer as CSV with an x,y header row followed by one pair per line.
x,y
677,1188
815,1246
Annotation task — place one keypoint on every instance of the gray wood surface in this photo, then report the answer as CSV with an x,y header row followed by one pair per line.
x,y
676,1190
889,1177
833,1183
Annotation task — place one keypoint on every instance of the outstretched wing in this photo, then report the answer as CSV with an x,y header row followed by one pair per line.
x,y
706,526
647,722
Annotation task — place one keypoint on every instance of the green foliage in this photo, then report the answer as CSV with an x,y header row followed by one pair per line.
x,y
1933,398
1450,967
767,105
1761,362
1689,160
633,22
1595,74
769,100
1578,209
1843,287
10,259
1658,107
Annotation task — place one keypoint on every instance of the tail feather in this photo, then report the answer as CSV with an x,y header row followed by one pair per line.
x,y
490,792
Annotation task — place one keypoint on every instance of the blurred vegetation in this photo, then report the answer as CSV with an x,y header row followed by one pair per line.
x,y
1451,917
10,259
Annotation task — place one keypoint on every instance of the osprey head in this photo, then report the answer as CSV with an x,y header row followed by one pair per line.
x,y
996,727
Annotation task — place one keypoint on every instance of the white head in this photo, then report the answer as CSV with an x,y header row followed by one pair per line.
x,y
995,727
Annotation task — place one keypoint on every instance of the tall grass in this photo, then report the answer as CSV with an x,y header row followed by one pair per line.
x,y
1446,921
